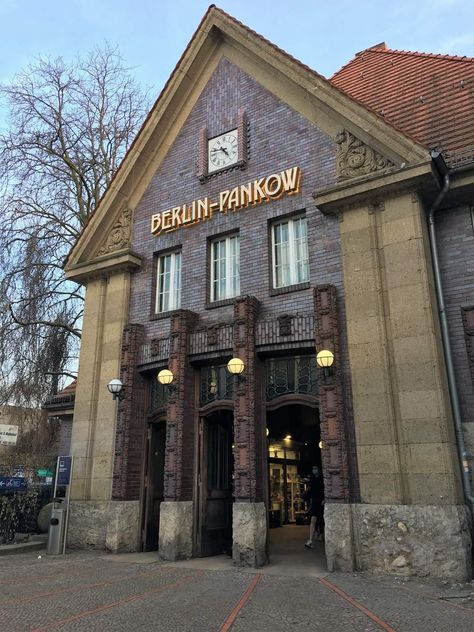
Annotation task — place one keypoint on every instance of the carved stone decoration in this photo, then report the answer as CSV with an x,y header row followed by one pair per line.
x,y
284,323
211,334
355,158
119,235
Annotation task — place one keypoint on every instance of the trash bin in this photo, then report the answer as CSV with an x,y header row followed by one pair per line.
x,y
56,531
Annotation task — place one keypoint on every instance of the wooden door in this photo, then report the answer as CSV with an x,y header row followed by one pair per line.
x,y
154,482
216,463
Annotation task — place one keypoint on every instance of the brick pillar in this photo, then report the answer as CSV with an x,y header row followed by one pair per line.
x,y
130,430
180,412
249,525
331,409
246,396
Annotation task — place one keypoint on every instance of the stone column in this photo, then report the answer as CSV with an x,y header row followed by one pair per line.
x,y
176,512
93,430
409,471
249,521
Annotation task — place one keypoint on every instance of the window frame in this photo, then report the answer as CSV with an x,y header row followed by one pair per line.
x,y
294,283
158,262
226,237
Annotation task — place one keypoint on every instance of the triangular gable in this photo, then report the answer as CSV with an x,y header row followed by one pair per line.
x,y
106,237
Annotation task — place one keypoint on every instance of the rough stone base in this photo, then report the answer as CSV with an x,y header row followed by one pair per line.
x,y
249,528
176,530
400,539
112,525
122,535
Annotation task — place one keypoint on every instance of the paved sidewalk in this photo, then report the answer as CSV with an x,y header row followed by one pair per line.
x,y
94,591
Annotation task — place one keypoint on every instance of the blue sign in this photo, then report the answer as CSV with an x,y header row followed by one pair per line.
x,y
64,470
12,484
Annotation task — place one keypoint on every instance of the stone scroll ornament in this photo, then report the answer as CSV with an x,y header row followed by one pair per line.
x,y
119,235
355,158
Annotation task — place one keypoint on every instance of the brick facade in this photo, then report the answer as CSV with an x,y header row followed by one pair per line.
x,y
130,430
262,320
455,235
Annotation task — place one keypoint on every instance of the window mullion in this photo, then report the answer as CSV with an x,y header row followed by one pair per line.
x,y
228,268
213,266
158,284
292,252
171,302
274,256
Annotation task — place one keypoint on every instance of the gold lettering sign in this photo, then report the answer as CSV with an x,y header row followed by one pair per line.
x,y
253,193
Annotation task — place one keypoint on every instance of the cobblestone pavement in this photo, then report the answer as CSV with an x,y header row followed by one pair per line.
x,y
92,591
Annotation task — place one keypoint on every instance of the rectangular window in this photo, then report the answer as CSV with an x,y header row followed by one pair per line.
x,y
290,252
168,286
225,268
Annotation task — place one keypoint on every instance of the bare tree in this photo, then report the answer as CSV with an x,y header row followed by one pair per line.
x,y
69,127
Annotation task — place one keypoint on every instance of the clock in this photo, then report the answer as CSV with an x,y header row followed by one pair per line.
x,y
222,151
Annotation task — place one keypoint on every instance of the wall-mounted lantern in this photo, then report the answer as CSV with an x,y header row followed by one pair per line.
x,y
166,377
325,360
116,388
235,366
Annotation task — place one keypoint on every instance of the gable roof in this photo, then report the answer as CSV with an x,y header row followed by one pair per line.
x,y
429,97
219,35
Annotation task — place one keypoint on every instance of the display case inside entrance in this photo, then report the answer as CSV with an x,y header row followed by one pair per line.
x,y
287,484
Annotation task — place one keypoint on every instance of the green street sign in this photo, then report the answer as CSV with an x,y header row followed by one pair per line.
x,y
44,473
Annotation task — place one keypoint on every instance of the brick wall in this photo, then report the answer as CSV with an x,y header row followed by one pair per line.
x,y
456,252
279,138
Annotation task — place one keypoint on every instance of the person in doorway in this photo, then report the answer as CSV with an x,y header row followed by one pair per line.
x,y
315,497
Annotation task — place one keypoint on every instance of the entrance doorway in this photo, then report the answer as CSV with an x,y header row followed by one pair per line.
x,y
294,447
153,484
215,483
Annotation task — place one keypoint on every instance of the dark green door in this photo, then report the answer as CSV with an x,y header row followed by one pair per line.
x,y
154,482
216,484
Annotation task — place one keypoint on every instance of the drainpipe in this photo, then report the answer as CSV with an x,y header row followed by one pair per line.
x,y
453,391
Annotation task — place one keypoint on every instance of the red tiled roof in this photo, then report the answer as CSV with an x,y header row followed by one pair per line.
x,y
429,97
70,388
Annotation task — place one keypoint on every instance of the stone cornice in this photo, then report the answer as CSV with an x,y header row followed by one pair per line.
x,y
363,189
109,264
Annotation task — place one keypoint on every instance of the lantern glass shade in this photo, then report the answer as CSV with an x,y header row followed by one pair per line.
x,y
165,377
114,386
325,359
235,366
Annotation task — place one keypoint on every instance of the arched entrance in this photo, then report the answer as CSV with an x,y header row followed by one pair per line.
x,y
294,447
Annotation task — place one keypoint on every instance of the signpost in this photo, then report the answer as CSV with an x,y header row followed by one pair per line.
x,y
62,487
44,473
8,434
12,484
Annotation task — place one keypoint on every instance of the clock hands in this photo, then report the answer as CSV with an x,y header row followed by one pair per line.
x,y
220,149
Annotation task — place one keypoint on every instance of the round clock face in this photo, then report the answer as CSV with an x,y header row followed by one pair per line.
x,y
223,151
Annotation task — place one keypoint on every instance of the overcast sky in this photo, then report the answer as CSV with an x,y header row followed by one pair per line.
x,y
152,34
